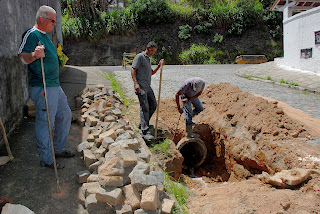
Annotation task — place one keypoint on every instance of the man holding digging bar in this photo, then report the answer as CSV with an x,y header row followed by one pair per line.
x,y
141,73
189,93
30,53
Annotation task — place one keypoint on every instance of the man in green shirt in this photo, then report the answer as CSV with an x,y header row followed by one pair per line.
x,y
36,44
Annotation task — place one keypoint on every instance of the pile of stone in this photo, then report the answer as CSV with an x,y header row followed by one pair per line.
x,y
119,178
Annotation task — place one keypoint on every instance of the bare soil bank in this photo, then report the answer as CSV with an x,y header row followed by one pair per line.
x,y
246,135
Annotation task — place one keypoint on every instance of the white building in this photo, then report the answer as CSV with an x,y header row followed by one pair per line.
x,y
301,33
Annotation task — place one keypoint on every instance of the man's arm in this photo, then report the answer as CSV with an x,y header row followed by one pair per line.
x,y
192,98
159,65
178,94
135,81
27,58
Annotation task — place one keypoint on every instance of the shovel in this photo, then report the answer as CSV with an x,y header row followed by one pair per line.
x,y
5,159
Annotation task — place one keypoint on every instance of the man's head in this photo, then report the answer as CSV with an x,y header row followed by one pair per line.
x,y
46,18
151,48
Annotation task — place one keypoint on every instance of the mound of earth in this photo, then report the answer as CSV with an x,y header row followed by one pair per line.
x,y
247,134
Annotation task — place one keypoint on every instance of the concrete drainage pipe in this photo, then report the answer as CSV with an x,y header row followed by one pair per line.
x,y
193,150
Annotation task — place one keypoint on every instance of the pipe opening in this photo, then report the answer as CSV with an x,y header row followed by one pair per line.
x,y
193,151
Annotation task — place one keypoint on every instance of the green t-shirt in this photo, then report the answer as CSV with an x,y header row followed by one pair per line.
x,y
30,39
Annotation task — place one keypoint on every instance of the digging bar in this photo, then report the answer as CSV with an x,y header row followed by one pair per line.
x,y
49,122
156,129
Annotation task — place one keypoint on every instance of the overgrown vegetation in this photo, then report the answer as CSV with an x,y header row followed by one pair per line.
x,y
179,191
220,19
115,85
162,147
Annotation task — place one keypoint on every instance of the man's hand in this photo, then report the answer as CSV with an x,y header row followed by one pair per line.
x,y
180,110
161,62
137,87
185,100
39,52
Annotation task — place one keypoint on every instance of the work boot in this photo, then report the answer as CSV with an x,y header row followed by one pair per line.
x,y
189,132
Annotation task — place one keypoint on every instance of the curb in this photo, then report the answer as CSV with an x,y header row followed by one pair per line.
x,y
300,88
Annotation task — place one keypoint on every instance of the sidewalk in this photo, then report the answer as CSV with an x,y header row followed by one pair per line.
x,y
307,81
24,181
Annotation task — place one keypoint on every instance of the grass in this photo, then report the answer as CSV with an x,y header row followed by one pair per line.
x,y
115,85
289,83
179,191
162,147
269,78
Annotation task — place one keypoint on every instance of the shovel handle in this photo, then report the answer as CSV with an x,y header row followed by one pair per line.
x,y
6,140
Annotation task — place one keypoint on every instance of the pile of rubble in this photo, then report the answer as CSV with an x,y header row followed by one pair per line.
x,y
119,177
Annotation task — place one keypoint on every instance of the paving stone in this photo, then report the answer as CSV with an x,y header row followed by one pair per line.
x,y
90,138
124,136
117,112
167,206
113,166
143,155
111,181
93,206
131,143
126,209
129,157
132,196
89,158
93,178
111,196
82,176
158,175
90,188
142,181
140,168
107,141
150,198
16,209
82,146
110,133
92,121
110,118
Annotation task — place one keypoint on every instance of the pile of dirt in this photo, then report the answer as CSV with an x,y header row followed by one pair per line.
x,y
246,134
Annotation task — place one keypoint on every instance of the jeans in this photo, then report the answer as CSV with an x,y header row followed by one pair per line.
x,y
148,105
60,118
189,112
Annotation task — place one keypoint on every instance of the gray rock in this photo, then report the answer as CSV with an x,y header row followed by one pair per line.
x,y
82,176
141,181
158,175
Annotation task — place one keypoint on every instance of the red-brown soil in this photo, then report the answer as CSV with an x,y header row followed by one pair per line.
x,y
246,135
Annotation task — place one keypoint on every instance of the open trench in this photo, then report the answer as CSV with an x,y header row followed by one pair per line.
x,y
203,156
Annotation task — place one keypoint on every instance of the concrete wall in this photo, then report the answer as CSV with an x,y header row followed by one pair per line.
x,y
298,33
17,17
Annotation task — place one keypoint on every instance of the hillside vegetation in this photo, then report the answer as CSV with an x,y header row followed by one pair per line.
x,y
202,32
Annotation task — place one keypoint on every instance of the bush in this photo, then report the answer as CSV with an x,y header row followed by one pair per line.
x,y
151,11
184,32
197,54
203,28
218,38
236,15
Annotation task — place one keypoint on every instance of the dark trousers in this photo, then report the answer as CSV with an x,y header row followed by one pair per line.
x,y
148,105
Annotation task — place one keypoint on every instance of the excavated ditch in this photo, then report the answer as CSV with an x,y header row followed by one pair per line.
x,y
242,135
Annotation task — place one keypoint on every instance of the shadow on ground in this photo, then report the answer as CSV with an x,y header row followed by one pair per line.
x,y
25,182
